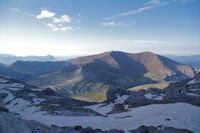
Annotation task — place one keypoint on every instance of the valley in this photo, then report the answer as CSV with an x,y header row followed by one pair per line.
x,y
99,66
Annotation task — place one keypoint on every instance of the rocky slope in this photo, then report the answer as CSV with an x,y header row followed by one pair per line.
x,y
95,75
184,91
29,109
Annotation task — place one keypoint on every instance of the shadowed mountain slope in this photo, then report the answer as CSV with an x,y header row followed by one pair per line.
x,y
36,68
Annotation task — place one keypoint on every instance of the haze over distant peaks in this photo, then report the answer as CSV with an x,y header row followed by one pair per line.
x,y
9,59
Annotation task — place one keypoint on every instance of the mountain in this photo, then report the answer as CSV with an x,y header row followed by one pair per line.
x,y
36,68
92,76
9,59
28,109
7,71
26,70
193,60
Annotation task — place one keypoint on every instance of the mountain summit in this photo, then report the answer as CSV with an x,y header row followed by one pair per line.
x,y
96,74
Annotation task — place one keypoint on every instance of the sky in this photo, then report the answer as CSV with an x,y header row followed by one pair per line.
x,y
84,27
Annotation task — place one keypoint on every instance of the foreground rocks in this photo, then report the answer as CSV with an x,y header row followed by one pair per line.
x,y
151,129
10,123
187,91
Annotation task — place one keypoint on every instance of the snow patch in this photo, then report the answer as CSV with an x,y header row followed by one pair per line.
x,y
3,80
38,89
154,97
182,115
192,82
192,94
9,97
17,85
18,105
55,104
121,99
194,89
101,108
38,100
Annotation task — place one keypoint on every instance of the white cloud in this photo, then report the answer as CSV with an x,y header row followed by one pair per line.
x,y
45,14
53,27
60,25
14,9
62,19
79,14
68,28
111,23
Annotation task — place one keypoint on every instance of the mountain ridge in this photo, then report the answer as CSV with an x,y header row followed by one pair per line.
x,y
8,59
114,69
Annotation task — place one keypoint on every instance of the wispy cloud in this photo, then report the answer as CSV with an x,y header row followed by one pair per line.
x,y
149,5
59,27
68,28
62,19
53,27
17,10
45,14
152,2
143,41
139,10
112,23
14,9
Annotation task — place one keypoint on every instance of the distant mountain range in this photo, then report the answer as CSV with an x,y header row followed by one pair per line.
x,y
9,59
93,76
26,70
193,60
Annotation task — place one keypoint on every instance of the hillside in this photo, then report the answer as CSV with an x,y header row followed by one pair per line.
x,y
29,109
7,71
94,75
37,68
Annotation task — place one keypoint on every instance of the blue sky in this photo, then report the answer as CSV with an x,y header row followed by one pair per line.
x,y
82,27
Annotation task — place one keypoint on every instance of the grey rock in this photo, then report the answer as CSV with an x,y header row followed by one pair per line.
x,y
151,129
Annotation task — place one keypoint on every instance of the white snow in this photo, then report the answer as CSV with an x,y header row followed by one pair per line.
x,y
9,97
104,108
181,115
154,97
14,88
2,86
192,94
55,104
38,89
101,108
3,80
16,85
38,100
194,89
18,105
121,99
193,81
